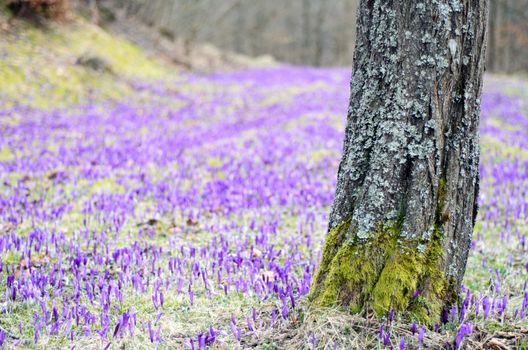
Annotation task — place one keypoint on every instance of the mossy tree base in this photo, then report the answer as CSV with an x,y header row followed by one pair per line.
x,y
383,273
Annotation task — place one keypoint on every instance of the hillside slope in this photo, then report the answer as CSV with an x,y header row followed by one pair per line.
x,y
68,62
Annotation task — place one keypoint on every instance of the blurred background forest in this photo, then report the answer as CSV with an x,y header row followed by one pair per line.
x,y
311,32
307,32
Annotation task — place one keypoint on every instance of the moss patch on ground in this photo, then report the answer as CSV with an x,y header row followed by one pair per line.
x,y
42,64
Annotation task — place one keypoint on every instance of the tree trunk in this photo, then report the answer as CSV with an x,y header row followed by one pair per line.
x,y
499,35
491,59
307,27
319,33
406,198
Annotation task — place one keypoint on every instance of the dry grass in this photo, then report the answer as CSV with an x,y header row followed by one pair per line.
x,y
335,328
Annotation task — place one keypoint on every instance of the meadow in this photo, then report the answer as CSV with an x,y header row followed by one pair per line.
x,y
142,208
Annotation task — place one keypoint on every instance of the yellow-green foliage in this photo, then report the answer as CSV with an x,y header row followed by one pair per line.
x,y
40,64
107,185
6,154
490,143
124,58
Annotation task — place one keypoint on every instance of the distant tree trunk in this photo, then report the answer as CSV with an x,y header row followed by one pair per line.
x,y
508,8
94,11
306,24
319,34
492,37
406,198
240,28
499,39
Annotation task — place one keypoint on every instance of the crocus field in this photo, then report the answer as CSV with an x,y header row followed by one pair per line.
x,y
191,213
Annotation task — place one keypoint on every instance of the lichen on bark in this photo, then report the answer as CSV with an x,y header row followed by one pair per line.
x,y
407,184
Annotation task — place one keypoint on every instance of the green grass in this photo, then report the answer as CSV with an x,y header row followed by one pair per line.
x,y
40,64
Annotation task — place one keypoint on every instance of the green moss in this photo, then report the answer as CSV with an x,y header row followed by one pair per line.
x,y
347,270
333,241
382,275
397,282
123,57
41,65
440,215
349,273
384,272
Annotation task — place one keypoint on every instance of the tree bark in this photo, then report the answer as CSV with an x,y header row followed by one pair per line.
x,y
406,198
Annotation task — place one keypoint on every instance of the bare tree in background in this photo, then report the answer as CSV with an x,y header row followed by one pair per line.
x,y
315,32
508,36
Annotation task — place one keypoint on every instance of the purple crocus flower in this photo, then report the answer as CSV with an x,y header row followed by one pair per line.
x,y
191,297
116,329
236,331
464,330
273,316
151,332
486,305
250,324
386,339
421,335
3,336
